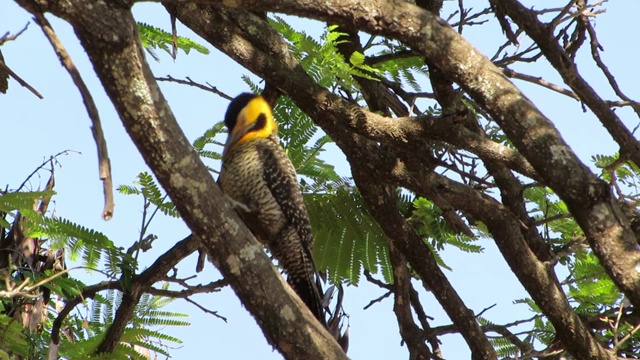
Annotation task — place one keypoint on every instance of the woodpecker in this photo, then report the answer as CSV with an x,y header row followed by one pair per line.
x,y
257,174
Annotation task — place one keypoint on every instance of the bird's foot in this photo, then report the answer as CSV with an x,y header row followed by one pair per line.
x,y
237,204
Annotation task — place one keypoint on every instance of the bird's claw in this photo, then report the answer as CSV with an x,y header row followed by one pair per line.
x,y
238,205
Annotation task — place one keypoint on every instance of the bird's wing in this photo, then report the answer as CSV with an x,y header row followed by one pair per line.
x,y
293,246
282,181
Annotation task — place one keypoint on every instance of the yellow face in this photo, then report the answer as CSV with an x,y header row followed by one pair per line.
x,y
253,121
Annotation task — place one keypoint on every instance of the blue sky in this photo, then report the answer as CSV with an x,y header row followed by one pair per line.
x,y
33,129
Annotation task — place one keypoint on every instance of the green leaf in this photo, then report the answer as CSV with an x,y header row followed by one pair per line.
x,y
348,239
155,38
437,234
357,59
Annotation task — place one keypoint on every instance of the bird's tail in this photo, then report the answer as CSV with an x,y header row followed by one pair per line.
x,y
297,262
310,291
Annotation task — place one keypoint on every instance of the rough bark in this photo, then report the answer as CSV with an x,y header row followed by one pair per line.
x,y
272,60
382,152
258,48
109,35
588,198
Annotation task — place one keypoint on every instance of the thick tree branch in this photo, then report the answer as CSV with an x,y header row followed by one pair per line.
x,y
141,284
268,56
536,276
109,35
104,164
588,198
188,81
410,332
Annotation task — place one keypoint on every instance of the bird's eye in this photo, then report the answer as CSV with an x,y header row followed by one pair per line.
x,y
260,123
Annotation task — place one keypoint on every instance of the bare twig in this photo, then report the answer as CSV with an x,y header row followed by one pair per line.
x,y
572,15
423,318
468,18
6,69
551,218
92,110
628,336
595,54
463,16
623,103
375,281
381,284
214,313
190,82
616,326
49,160
506,44
562,12
377,300
7,37
189,290
485,310
24,289
452,329
540,81
519,57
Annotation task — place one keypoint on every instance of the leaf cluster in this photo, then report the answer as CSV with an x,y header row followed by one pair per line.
x,y
27,313
155,38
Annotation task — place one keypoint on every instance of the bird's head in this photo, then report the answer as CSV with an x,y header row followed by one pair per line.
x,y
248,117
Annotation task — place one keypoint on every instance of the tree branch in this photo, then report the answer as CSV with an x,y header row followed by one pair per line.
x,y
588,197
411,334
188,81
108,33
607,231
267,55
5,69
104,163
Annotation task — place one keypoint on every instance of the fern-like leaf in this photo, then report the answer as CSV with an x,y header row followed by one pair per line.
x,y
155,38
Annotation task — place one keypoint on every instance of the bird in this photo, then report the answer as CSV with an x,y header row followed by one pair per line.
x,y
259,178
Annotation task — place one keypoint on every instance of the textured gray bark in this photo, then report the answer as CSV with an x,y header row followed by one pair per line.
x,y
108,33
384,153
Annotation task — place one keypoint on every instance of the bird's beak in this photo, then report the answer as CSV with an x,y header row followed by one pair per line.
x,y
239,130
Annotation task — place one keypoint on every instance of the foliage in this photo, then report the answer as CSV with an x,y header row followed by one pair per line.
x,y
399,70
322,60
348,240
209,138
148,315
82,330
154,38
436,232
